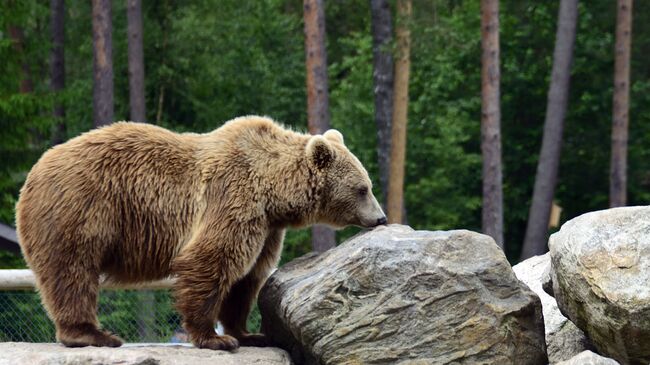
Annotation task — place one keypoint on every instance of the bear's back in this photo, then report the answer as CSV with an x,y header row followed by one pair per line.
x,y
123,194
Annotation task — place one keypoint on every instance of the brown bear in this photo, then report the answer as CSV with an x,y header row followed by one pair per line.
x,y
136,202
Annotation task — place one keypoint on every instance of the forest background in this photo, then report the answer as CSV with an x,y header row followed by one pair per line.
x,y
207,61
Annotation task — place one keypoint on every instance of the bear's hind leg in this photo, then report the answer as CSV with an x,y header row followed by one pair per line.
x,y
236,309
70,297
239,302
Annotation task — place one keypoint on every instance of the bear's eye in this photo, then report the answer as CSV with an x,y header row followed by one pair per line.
x,y
362,191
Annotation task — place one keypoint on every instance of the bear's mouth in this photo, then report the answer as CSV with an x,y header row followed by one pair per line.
x,y
372,223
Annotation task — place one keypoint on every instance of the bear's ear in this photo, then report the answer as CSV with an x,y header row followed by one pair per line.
x,y
320,152
334,135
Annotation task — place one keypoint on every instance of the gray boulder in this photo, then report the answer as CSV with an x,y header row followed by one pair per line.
x,y
589,358
22,353
563,339
601,279
395,295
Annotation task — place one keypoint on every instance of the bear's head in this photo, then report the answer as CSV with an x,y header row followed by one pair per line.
x,y
346,195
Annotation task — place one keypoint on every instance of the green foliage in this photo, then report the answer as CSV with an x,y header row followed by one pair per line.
x,y
136,316
23,318
443,163
10,260
296,244
229,63
352,105
254,324
129,312
24,130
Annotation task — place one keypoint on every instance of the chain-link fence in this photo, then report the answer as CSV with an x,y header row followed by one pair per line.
x,y
134,315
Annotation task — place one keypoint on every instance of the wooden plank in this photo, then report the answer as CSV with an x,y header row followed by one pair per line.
x,y
24,280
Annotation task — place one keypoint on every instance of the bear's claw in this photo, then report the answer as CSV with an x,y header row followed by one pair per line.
x,y
109,340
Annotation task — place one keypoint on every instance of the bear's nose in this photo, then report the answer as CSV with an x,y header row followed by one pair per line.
x,y
381,221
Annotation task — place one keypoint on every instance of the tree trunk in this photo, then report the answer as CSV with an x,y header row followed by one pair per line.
x,y
57,66
164,28
18,40
535,242
102,63
618,173
491,122
395,197
323,238
136,61
382,33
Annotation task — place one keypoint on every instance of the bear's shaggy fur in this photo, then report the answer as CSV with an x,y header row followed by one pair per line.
x,y
136,202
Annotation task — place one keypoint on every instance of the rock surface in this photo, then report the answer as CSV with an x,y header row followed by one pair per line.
x,y
395,295
589,358
22,353
563,339
601,279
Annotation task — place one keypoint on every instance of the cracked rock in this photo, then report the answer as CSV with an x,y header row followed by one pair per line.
x,y
395,295
601,275
563,339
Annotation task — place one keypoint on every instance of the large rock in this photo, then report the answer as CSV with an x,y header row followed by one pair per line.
x,y
563,339
22,353
395,294
601,279
589,358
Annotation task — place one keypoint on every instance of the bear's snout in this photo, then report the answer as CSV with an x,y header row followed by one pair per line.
x,y
370,213
373,222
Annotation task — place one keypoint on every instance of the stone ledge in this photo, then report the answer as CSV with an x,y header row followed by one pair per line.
x,y
18,353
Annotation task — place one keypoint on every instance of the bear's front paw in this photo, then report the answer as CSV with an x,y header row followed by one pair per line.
x,y
225,342
254,339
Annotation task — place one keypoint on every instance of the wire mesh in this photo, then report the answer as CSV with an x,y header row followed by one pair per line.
x,y
134,315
